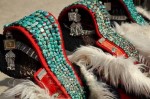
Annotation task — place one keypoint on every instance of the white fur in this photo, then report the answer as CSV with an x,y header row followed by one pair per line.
x,y
114,69
27,90
143,12
98,90
138,35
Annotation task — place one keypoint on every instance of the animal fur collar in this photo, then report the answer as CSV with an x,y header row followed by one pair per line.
x,y
114,69
139,36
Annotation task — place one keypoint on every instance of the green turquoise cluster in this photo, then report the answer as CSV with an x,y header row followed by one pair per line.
x,y
135,15
104,25
45,30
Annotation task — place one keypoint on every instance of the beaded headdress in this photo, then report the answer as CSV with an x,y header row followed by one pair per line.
x,y
41,32
94,17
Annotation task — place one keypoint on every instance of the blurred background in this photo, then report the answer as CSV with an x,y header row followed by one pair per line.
x,y
12,10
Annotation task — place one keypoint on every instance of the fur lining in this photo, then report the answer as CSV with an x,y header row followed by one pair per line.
x,y
114,69
98,90
143,12
138,35
27,90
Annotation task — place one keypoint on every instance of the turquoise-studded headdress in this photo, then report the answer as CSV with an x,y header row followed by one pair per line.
x,y
41,31
93,26
95,18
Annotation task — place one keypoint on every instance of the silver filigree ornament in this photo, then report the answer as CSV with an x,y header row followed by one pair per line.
x,y
74,16
10,59
76,28
9,44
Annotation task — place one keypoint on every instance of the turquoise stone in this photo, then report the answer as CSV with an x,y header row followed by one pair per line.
x,y
50,26
46,27
44,34
44,24
39,25
52,31
46,38
55,25
46,13
47,32
51,19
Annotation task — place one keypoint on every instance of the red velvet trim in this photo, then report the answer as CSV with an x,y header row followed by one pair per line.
x,y
40,55
79,6
48,82
108,47
36,79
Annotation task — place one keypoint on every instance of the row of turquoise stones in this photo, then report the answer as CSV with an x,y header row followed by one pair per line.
x,y
133,12
115,37
105,29
44,29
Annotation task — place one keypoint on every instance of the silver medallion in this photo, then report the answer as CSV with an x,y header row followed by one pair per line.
x,y
10,59
74,16
76,28
9,44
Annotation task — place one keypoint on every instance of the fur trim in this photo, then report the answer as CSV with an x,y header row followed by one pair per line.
x,y
114,69
138,35
143,12
27,90
98,90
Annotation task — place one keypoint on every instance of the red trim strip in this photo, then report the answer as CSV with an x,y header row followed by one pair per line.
x,y
36,79
49,84
108,46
